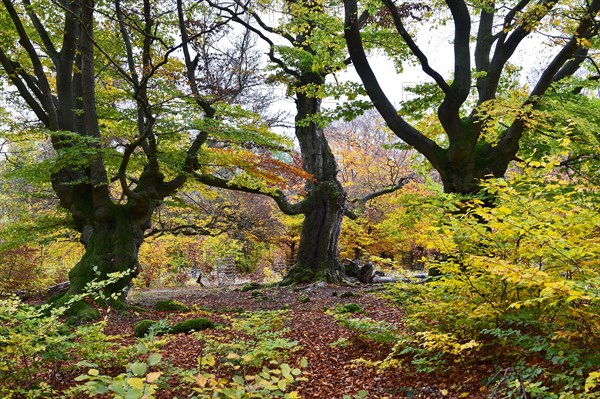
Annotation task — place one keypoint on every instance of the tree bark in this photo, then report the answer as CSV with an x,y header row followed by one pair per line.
x,y
111,245
63,97
325,200
317,258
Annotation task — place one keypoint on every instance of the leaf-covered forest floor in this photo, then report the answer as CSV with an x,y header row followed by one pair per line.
x,y
332,370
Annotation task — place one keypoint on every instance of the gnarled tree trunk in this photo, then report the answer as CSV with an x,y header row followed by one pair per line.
x,y
317,254
111,245
471,156
58,83
324,204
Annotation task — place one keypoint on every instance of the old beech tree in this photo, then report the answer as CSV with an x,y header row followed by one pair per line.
x,y
309,47
128,119
490,33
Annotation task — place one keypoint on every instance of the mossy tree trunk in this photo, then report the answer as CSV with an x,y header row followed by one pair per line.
x,y
317,254
324,205
111,245
304,66
55,74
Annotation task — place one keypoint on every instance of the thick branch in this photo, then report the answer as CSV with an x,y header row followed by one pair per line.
x,y
461,85
571,66
46,99
41,31
588,27
403,181
190,65
184,230
506,46
127,42
282,202
413,46
9,67
449,110
483,46
98,177
397,124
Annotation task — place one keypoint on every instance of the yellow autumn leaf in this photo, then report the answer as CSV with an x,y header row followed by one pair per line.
x,y
201,380
592,381
151,377
93,372
136,382
208,360
505,210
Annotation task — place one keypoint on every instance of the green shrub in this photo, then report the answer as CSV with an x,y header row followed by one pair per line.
x,y
521,284
350,308
170,306
369,330
95,346
161,327
192,325
31,345
264,341
137,382
275,381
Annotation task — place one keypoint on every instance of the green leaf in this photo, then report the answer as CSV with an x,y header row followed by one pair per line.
x,y
154,359
282,384
141,348
100,388
138,368
285,369
239,380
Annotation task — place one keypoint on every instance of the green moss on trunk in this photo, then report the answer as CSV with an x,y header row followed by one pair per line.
x,y
111,247
317,254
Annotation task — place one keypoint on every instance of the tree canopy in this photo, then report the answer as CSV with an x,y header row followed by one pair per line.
x,y
483,109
